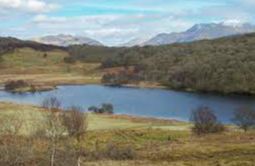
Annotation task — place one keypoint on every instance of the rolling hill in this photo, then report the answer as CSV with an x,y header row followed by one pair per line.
x,y
8,44
67,40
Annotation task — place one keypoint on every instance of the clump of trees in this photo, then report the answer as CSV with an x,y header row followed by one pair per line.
x,y
205,121
244,117
123,77
105,108
12,85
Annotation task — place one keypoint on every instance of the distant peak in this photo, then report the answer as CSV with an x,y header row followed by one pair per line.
x,y
64,35
66,40
233,23
203,25
198,27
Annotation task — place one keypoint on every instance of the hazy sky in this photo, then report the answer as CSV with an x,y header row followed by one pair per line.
x,y
116,21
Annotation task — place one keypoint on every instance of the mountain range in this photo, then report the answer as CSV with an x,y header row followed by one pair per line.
x,y
199,32
66,40
196,32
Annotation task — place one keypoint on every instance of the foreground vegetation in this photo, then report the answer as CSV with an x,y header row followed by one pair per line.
x,y
118,140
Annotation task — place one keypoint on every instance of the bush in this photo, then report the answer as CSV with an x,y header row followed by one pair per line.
x,y
76,122
205,121
244,118
106,108
12,85
117,153
69,60
93,109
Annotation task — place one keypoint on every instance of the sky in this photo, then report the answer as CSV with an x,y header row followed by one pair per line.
x,y
113,22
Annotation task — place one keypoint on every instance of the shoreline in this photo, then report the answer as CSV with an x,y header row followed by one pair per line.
x,y
145,85
134,118
48,82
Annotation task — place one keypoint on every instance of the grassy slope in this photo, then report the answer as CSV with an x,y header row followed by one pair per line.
x,y
29,64
34,116
173,145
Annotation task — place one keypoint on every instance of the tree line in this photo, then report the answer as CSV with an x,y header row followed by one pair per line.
x,y
224,65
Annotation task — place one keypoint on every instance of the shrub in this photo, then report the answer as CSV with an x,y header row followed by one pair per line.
x,y
45,55
244,118
69,60
106,108
205,121
12,85
51,104
93,109
76,122
119,153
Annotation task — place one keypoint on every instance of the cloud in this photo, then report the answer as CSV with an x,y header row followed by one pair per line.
x,y
226,12
247,2
110,32
34,6
115,21
111,29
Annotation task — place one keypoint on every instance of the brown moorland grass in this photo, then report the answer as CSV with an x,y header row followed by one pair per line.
x,y
48,71
160,146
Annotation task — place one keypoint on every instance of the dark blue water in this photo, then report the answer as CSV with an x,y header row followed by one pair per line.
x,y
143,102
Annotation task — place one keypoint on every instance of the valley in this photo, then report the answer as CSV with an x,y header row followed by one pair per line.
x,y
152,92
127,83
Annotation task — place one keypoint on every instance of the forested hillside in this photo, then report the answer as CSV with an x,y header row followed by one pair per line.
x,y
225,65
88,53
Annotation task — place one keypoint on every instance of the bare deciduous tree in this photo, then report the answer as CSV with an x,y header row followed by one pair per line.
x,y
54,123
76,123
205,121
244,117
51,104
